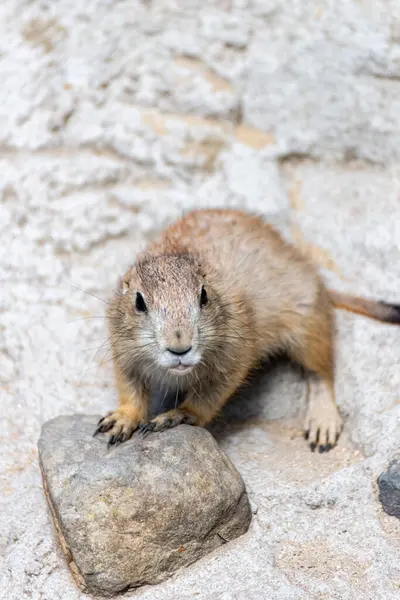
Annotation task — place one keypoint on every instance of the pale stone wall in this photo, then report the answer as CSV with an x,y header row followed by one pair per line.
x,y
115,116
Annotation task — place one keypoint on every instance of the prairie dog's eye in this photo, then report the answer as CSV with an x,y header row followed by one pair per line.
x,y
203,297
140,303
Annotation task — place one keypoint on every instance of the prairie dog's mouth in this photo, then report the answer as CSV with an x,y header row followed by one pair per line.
x,y
179,365
181,369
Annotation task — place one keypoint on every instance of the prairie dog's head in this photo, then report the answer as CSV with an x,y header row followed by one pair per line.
x,y
163,317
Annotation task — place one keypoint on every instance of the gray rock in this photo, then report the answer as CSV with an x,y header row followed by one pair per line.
x,y
137,513
389,489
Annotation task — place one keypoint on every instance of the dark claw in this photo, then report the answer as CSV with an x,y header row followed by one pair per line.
x,y
322,449
313,446
116,439
146,428
104,427
328,447
119,439
112,440
318,434
105,417
166,425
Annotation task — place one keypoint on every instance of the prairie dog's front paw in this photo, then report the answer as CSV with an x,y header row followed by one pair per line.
x,y
167,420
119,424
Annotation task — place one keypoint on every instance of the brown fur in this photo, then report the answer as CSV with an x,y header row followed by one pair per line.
x,y
381,311
263,297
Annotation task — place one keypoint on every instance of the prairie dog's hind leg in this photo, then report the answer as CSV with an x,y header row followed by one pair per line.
x,y
323,423
313,349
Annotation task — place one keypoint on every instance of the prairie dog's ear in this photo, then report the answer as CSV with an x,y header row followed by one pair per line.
x,y
125,282
124,285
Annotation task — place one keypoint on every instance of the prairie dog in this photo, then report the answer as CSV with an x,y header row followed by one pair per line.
x,y
215,295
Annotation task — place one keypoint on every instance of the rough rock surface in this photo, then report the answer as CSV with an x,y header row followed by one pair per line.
x,y
137,513
114,117
389,489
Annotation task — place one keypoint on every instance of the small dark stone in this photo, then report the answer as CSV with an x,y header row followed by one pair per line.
x,y
135,514
389,489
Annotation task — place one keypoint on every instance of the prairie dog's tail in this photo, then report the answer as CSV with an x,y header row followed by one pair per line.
x,y
381,311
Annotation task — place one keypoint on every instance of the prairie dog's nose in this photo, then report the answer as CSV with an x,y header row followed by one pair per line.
x,y
179,350
179,342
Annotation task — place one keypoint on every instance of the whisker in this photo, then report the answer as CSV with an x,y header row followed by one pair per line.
x,y
85,318
176,398
110,304
112,345
166,391
199,397
90,294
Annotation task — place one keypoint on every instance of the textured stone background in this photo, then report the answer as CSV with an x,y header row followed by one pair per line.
x,y
115,116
